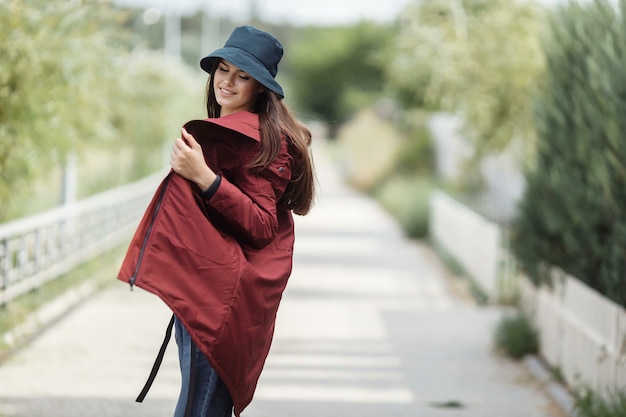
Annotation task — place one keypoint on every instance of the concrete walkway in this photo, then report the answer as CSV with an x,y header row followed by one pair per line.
x,y
370,325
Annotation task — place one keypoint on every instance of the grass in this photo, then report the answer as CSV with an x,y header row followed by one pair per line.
x,y
457,270
102,270
610,403
557,375
515,336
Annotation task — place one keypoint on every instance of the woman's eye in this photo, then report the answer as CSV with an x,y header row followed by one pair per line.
x,y
223,69
244,77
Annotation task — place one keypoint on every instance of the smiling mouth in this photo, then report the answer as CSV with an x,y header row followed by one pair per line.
x,y
226,92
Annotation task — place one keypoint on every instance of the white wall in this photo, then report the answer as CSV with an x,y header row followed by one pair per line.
x,y
473,241
501,172
582,333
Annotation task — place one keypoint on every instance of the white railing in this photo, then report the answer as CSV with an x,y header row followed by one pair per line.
x,y
39,248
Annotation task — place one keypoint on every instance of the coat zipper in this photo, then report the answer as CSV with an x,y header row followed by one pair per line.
x,y
133,278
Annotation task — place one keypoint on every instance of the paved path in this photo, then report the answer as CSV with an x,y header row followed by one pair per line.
x,y
369,326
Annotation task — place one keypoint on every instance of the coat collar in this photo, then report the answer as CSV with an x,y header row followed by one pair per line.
x,y
243,122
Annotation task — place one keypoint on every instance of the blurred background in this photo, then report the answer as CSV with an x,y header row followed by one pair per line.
x,y
513,109
97,87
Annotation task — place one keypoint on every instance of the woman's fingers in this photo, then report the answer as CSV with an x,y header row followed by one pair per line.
x,y
188,161
189,139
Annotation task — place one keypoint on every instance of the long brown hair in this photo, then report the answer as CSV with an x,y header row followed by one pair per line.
x,y
277,121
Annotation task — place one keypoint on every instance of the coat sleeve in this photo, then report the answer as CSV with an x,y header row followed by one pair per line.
x,y
247,204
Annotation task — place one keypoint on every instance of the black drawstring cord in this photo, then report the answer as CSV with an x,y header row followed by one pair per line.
x,y
157,362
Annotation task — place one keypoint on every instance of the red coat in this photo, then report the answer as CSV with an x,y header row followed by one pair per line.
x,y
221,265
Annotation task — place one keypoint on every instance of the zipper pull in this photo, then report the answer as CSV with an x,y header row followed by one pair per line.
x,y
131,282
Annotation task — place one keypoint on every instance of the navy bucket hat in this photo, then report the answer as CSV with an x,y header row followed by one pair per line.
x,y
253,51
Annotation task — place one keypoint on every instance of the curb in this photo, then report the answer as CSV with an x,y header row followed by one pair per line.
x,y
556,391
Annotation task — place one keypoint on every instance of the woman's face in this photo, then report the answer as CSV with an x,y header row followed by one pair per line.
x,y
234,89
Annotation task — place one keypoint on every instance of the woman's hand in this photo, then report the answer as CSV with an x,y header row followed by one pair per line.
x,y
187,161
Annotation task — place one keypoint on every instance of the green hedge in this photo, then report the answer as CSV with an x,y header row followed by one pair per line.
x,y
573,213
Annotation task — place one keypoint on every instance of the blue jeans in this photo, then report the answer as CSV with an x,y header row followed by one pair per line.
x,y
202,392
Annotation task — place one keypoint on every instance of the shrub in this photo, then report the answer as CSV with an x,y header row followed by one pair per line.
x,y
572,214
407,199
415,154
610,404
515,336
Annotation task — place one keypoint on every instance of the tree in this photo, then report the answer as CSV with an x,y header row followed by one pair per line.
x,y
337,70
69,80
56,62
476,58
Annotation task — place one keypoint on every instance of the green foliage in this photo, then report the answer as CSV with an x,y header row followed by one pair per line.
x,y
56,63
572,214
393,165
68,81
405,190
157,96
476,58
407,199
515,336
609,404
415,155
338,70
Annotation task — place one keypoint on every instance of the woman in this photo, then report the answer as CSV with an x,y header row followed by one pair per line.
x,y
216,242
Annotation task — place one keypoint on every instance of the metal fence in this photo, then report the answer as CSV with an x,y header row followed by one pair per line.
x,y
40,248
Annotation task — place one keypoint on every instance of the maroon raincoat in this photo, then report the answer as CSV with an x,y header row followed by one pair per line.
x,y
221,265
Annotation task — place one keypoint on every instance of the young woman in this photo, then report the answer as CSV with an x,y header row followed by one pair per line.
x,y
216,243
